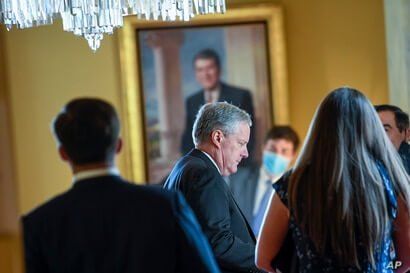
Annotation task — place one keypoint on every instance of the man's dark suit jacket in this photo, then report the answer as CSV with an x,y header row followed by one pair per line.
x,y
222,221
243,185
236,96
105,224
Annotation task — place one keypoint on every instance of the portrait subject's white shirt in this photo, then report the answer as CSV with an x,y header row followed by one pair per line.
x,y
95,173
212,96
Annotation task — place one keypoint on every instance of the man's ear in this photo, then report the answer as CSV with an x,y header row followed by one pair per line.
x,y
217,137
407,135
118,147
63,153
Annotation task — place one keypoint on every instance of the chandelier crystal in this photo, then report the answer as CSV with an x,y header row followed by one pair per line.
x,y
94,18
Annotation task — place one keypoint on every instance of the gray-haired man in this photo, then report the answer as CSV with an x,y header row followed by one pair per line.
x,y
220,133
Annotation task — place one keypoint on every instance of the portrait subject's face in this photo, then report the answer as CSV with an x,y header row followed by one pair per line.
x,y
390,126
234,149
207,73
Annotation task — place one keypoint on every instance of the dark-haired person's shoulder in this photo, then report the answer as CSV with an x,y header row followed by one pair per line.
x,y
157,199
148,192
238,90
196,96
45,209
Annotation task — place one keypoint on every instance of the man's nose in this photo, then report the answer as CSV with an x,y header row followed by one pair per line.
x,y
245,153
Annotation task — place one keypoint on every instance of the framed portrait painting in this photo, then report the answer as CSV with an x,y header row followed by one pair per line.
x,y
165,83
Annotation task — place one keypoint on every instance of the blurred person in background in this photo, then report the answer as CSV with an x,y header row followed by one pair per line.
x,y
252,186
396,123
104,223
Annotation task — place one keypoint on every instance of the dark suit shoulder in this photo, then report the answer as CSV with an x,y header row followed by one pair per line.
x,y
46,207
235,89
237,96
118,189
192,172
199,170
158,196
129,193
195,96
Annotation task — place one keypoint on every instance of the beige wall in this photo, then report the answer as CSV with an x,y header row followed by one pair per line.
x,y
329,43
10,254
8,202
397,18
48,67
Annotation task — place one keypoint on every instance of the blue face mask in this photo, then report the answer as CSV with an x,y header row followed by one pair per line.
x,y
274,164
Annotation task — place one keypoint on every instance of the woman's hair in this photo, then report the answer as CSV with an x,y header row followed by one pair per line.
x,y
336,192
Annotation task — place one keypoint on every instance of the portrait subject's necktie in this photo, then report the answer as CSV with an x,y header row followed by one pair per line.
x,y
208,97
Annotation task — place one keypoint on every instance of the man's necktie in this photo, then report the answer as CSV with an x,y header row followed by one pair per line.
x,y
258,217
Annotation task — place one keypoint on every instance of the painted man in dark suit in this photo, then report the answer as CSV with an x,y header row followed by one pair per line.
x,y
220,133
104,223
252,185
208,72
397,125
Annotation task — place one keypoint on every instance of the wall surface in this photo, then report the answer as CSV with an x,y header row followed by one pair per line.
x,y
10,254
8,195
397,18
329,44
47,68
332,44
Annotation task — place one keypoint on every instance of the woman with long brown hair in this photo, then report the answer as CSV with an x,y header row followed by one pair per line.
x,y
346,201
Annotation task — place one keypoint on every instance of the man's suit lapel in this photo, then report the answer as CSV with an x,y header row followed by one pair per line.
x,y
201,155
201,97
243,217
197,102
224,96
254,177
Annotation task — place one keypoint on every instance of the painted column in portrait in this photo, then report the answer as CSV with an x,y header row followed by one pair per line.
x,y
250,71
166,47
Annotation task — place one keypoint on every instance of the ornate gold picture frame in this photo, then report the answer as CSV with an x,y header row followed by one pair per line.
x,y
134,115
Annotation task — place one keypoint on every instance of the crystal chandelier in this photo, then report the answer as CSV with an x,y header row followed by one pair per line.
x,y
94,18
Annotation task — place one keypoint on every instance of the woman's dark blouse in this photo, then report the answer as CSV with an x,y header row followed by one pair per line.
x,y
309,259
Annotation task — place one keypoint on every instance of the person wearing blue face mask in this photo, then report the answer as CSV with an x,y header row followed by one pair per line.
x,y
274,163
252,185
